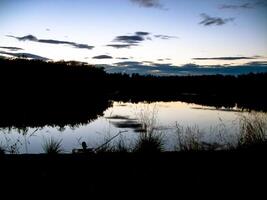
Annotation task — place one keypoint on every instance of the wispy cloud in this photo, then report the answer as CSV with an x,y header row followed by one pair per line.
x,y
24,55
166,37
102,57
148,3
50,41
120,46
250,4
128,41
241,6
122,58
141,33
11,48
208,21
229,58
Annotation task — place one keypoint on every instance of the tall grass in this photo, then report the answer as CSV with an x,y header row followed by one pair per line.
x,y
253,131
52,146
2,150
189,139
252,135
150,140
149,143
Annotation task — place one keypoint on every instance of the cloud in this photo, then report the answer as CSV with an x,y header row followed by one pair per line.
x,y
135,39
132,39
11,48
167,69
148,3
103,57
49,41
24,55
208,21
122,58
241,6
121,46
229,58
47,29
248,5
141,33
165,37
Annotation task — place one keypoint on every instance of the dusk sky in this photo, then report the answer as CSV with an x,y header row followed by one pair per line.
x,y
146,36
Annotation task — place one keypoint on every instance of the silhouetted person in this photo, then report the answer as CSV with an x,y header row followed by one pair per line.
x,y
84,145
83,150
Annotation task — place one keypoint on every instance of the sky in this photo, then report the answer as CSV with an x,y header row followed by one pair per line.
x,y
163,37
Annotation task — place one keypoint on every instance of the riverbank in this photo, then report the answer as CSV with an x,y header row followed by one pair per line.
x,y
169,172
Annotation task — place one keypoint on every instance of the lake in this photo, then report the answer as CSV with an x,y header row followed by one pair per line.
x,y
208,124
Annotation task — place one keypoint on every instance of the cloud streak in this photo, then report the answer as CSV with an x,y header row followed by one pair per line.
x,y
241,6
229,58
218,21
165,37
102,57
148,3
120,46
24,55
11,48
32,38
247,5
128,41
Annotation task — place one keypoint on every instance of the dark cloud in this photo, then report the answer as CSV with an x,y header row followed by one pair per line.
x,y
258,63
11,48
122,58
135,39
128,63
165,37
103,57
166,69
121,46
142,33
129,39
49,41
229,58
47,29
24,55
148,3
208,21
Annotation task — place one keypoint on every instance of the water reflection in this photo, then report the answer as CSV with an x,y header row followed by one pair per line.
x,y
207,124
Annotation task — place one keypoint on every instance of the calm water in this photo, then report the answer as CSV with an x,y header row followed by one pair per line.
x,y
164,116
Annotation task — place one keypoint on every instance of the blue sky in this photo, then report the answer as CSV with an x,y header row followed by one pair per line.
x,y
205,33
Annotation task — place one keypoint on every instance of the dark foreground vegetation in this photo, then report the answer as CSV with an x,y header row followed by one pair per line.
x,y
201,174
36,93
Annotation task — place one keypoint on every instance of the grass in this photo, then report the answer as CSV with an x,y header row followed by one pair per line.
x,y
149,140
2,150
253,131
251,135
149,143
52,146
189,139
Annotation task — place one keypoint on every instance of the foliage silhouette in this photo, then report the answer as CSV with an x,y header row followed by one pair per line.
x,y
37,93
